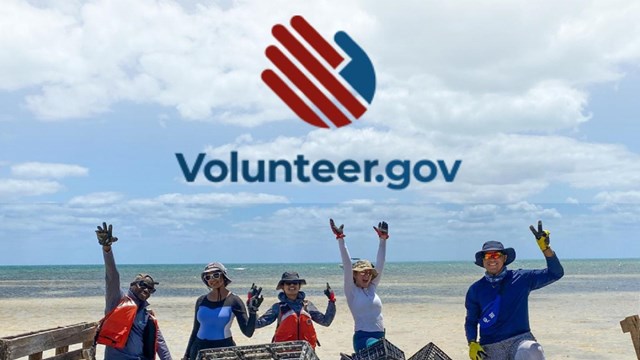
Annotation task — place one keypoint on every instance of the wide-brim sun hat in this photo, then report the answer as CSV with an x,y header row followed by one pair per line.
x,y
495,246
290,276
213,267
364,265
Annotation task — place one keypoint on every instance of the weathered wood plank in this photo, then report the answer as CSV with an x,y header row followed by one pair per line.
x,y
36,356
34,342
631,324
71,355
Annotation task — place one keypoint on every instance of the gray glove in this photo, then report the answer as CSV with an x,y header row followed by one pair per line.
x,y
105,236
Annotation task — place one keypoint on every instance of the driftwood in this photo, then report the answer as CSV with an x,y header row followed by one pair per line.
x,y
33,344
631,324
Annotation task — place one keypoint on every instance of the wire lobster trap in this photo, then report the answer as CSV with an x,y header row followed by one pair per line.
x,y
289,350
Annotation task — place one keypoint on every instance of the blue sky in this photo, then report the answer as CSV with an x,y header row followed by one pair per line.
x,y
539,101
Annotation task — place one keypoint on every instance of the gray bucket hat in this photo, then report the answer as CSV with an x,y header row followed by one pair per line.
x,y
290,276
495,246
213,267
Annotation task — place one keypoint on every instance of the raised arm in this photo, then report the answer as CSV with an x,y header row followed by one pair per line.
x,y
349,286
554,270
268,317
383,235
323,319
113,292
247,324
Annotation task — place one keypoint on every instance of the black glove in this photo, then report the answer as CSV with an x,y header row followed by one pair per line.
x,y
382,230
329,293
338,231
254,298
105,236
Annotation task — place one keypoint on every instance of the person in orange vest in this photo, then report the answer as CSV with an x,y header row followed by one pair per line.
x,y
295,313
129,330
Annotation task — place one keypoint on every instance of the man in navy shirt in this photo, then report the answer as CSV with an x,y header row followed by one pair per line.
x,y
498,304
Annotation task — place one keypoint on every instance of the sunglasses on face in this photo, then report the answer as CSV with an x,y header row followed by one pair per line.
x,y
144,285
492,255
215,275
288,283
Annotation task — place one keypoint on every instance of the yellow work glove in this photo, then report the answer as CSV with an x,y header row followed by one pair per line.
x,y
476,352
542,236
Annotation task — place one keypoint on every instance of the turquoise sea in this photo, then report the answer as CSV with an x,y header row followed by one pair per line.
x,y
403,281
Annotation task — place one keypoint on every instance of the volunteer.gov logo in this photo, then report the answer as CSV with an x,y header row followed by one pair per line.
x,y
326,92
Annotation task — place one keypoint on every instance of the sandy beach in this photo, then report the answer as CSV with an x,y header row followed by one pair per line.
x,y
569,326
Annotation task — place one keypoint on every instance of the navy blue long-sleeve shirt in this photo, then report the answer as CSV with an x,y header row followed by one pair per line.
x,y
296,305
514,289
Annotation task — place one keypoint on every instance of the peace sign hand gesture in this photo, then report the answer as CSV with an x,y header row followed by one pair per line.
x,y
542,236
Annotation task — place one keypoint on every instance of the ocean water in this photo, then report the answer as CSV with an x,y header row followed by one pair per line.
x,y
402,282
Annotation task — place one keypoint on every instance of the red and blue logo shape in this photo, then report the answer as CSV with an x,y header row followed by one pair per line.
x,y
333,89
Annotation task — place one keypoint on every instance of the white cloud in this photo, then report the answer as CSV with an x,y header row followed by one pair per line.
x,y
97,199
510,67
47,170
221,199
12,188
618,197
500,168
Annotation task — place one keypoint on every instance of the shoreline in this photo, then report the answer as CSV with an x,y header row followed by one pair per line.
x,y
583,327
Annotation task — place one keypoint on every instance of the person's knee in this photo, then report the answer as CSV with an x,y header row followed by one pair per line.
x,y
529,350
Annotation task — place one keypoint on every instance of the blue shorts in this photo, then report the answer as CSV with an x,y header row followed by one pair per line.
x,y
360,338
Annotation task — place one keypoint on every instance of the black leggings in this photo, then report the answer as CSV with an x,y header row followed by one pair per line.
x,y
199,344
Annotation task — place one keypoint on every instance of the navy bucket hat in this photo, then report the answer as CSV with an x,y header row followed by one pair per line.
x,y
495,246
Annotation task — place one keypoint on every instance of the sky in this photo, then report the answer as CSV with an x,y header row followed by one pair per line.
x,y
538,101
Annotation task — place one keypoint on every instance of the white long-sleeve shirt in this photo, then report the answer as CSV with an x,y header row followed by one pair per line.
x,y
365,304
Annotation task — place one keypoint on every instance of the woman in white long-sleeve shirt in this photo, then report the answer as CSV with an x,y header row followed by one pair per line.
x,y
360,283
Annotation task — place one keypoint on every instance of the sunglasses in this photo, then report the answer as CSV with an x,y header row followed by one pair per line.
x,y
215,275
291,283
144,285
492,255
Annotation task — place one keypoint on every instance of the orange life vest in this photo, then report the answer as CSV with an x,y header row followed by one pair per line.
x,y
115,327
292,326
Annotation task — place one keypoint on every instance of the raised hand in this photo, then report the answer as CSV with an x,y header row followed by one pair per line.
x,y
254,291
338,231
542,236
105,235
329,293
382,230
254,299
